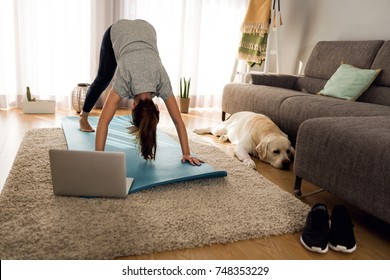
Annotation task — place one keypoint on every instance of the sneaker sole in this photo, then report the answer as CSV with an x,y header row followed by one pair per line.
x,y
343,249
314,249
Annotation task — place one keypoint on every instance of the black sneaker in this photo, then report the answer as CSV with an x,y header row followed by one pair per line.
x,y
315,232
341,236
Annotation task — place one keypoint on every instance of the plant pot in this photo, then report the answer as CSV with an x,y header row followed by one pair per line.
x,y
184,105
39,107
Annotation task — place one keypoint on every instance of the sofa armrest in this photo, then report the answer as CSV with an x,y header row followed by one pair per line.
x,y
344,156
273,80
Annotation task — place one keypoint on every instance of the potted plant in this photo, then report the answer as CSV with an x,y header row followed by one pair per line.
x,y
34,106
185,94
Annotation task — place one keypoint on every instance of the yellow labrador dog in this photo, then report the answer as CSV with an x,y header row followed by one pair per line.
x,y
257,135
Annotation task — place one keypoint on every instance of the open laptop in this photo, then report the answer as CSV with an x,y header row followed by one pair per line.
x,y
89,173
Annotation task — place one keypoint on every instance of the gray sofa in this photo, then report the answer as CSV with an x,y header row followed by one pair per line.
x,y
341,146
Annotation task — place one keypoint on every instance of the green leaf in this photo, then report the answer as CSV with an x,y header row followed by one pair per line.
x,y
185,87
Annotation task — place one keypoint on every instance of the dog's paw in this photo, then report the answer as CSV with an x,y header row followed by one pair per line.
x,y
223,138
198,130
250,163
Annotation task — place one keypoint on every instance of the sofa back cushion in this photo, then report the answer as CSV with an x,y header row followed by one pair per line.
x,y
309,85
376,95
327,56
382,61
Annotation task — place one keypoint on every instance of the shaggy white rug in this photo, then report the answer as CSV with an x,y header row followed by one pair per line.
x,y
35,224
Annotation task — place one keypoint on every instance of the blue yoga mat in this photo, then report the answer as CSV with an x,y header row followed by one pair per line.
x,y
166,169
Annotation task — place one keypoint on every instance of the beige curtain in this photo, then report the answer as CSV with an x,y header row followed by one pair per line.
x,y
54,45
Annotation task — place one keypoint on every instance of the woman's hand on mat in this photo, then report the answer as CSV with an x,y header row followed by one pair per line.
x,y
192,160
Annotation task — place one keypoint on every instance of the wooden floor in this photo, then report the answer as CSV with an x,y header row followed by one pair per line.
x,y
373,235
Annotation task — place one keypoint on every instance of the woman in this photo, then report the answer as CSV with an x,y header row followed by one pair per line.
x,y
129,47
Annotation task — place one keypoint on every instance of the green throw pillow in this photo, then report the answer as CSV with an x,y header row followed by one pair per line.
x,y
349,82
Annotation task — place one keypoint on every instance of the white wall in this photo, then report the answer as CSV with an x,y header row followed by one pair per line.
x,y
305,22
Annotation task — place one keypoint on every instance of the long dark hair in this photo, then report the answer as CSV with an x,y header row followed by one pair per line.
x,y
145,119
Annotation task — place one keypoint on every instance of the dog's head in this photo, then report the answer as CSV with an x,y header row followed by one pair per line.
x,y
276,150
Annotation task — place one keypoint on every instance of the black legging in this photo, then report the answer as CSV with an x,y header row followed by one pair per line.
x,y
107,67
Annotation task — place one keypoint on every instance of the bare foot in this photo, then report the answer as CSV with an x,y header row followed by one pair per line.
x,y
84,124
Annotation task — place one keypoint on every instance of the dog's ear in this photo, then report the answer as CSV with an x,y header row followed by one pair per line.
x,y
292,154
261,148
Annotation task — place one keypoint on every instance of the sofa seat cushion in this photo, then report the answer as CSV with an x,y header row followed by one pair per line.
x,y
295,111
256,98
348,157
